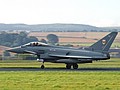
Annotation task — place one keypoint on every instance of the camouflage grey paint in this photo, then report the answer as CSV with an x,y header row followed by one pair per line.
x,y
58,54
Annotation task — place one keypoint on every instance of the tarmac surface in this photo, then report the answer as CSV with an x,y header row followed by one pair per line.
x,y
56,69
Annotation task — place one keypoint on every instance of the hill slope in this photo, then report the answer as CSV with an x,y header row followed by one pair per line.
x,y
49,27
55,27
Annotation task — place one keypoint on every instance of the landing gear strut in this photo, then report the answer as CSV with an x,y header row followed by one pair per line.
x,y
41,60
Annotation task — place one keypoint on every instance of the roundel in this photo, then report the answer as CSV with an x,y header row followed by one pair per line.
x,y
103,42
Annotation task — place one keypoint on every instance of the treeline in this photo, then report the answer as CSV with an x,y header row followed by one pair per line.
x,y
14,39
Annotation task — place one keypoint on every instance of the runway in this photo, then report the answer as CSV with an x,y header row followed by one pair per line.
x,y
56,69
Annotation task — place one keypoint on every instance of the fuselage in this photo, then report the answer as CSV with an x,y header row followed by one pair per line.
x,y
44,52
69,56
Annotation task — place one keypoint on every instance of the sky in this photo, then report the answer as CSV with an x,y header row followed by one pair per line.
x,y
101,13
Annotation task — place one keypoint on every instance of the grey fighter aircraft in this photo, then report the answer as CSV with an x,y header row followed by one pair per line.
x,y
70,56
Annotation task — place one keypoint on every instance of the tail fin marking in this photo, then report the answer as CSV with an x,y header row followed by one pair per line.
x,y
104,44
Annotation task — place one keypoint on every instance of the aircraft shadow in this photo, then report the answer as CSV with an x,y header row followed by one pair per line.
x,y
55,69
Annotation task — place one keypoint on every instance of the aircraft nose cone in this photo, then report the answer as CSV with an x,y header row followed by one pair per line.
x,y
11,50
15,50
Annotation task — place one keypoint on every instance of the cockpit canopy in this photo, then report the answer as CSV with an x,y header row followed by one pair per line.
x,y
35,44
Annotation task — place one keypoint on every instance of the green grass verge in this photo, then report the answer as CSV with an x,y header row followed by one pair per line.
x,y
60,80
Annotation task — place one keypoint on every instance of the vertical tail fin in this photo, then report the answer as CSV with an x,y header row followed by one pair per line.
x,y
104,44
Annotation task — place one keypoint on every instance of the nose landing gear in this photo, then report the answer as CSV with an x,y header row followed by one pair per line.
x,y
41,60
42,66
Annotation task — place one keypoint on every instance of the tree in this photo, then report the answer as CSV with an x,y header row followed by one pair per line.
x,y
12,40
23,40
23,34
52,39
6,53
43,41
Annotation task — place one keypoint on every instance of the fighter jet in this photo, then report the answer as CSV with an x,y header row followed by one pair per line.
x,y
68,55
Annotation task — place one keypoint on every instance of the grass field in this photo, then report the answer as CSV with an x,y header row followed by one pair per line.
x,y
60,80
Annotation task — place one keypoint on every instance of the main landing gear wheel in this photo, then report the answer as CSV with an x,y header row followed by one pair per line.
x,y
68,66
75,66
42,66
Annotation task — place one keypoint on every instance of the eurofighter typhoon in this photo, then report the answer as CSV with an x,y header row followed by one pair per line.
x,y
70,56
